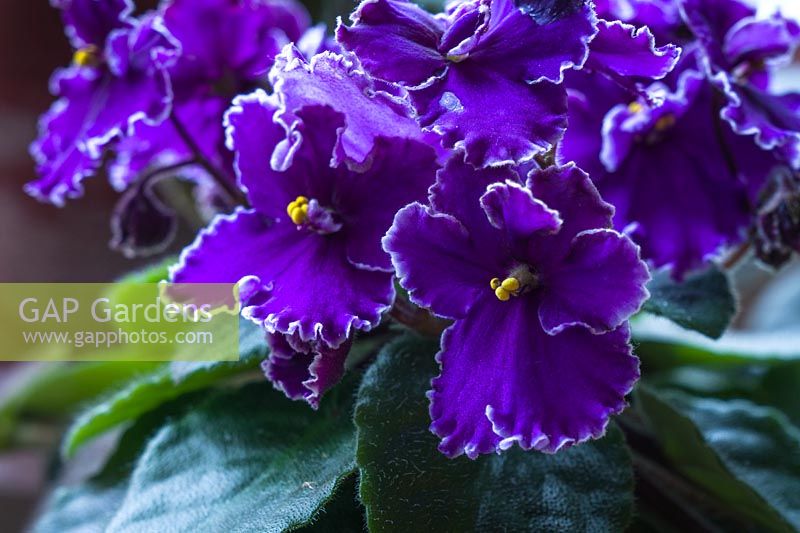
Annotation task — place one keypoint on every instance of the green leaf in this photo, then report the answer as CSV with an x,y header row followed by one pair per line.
x,y
407,484
343,512
745,455
663,346
703,302
247,460
54,390
167,383
90,506
242,460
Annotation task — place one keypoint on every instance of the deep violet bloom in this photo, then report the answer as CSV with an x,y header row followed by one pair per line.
x,y
678,176
662,17
372,108
304,370
623,60
118,80
228,46
740,49
776,227
470,71
540,289
308,254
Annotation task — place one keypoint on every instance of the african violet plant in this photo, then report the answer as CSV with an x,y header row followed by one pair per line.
x,y
485,194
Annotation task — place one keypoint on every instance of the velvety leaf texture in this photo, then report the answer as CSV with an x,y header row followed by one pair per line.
x,y
90,506
702,302
407,484
168,382
745,455
243,460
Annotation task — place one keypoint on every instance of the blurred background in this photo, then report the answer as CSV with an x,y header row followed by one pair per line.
x,y
42,243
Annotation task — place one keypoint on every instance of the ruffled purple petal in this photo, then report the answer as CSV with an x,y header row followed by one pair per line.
x,y
523,47
701,200
335,81
711,20
773,120
61,162
154,146
316,292
275,170
304,282
569,191
304,370
253,135
754,40
591,96
505,380
238,38
599,285
97,106
477,109
626,127
89,22
458,191
224,252
512,208
401,171
622,50
436,259
395,40
510,62
663,17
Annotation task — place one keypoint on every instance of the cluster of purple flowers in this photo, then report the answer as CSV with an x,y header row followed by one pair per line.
x,y
514,164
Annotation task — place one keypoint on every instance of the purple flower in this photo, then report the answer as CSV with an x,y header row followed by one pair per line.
x,y
141,223
471,71
662,17
628,55
540,289
739,49
228,46
372,108
304,370
118,80
776,227
308,254
677,175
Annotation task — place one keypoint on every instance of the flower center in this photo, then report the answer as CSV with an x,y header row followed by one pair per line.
x,y
298,210
518,282
88,56
665,122
308,214
635,107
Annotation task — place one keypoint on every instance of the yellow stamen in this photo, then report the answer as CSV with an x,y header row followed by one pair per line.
x,y
298,215
511,285
665,122
502,294
495,283
635,107
298,210
88,56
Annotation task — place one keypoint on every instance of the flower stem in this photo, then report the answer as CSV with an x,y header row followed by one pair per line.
x,y
417,319
231,190
737,256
